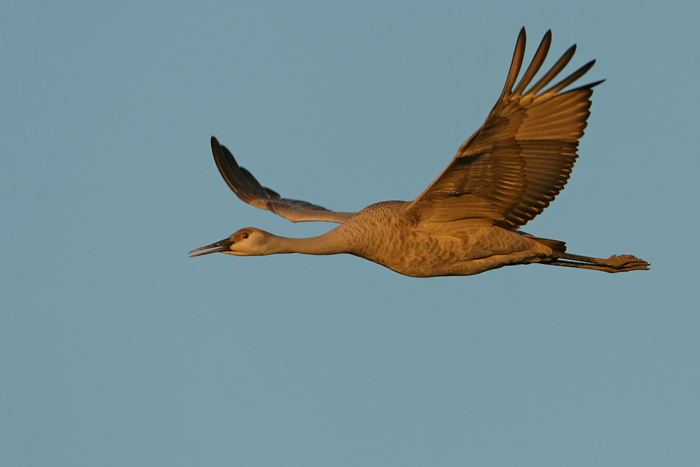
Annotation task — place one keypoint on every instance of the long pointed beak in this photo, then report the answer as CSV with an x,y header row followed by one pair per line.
x,y
218,247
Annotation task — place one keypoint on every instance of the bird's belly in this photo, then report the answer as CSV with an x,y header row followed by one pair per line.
x,y
419,254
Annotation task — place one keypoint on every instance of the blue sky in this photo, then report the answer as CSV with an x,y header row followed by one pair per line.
x,y
117,349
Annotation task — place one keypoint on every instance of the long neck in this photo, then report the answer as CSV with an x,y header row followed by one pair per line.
x,y
330,243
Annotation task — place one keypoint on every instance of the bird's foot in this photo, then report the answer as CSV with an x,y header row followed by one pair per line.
x,y
626,263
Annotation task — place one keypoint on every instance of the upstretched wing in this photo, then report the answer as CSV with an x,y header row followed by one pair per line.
x,y
519,160
248,189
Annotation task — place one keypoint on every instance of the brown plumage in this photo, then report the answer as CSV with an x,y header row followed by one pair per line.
x,y
467,220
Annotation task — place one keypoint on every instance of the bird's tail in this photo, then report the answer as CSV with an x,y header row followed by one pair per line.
x,y
556,245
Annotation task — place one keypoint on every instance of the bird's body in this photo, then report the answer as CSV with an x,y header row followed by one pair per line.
x,y
467,221
383,234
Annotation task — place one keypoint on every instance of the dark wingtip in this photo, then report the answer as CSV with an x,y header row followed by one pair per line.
x,y
522,34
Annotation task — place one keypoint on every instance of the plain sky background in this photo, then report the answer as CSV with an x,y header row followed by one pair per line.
x,y
116,349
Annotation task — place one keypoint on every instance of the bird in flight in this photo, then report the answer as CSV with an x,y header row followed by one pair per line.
x,y
468,220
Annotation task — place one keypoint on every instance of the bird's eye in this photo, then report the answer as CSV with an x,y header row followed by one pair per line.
x,y
244,235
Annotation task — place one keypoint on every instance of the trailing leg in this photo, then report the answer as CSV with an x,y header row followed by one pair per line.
x,y
613,264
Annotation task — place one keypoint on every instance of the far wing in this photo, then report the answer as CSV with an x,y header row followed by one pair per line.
x,y
248,189
521,158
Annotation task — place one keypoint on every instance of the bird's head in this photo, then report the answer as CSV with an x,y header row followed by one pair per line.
x,y
244,242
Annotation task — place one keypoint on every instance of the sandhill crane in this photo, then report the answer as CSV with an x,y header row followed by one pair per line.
x,y
467,221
